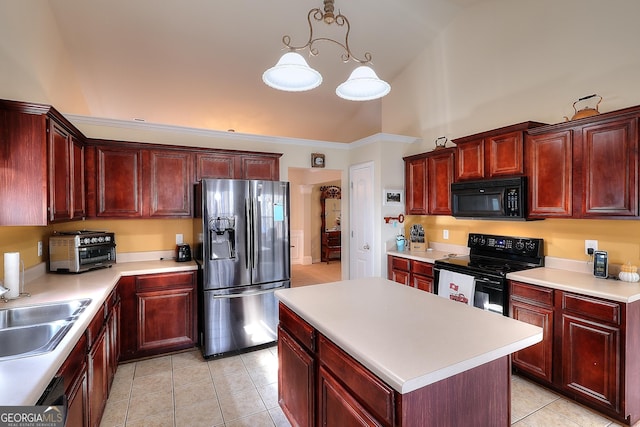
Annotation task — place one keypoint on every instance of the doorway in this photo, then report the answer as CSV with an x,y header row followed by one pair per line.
x,y
307,225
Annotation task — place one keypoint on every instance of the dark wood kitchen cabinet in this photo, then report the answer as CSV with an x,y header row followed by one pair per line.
x,y
588,351
170,183
415,185
410,272
428,178
534,305
550,171
37,139
158,314
114,182
74,374
492,154
238,165
591,349
586,168
296,353
66,173
440,167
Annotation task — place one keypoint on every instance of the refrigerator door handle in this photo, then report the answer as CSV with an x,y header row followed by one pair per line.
x,y
255,223
248,232
249,294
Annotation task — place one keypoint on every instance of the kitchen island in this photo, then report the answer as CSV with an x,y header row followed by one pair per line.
x,y
379,352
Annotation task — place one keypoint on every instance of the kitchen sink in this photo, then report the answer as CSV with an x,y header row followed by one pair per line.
x,y
37,314
37,329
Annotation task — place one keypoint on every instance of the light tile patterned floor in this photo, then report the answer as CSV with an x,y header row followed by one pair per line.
x,y
241,391
184,390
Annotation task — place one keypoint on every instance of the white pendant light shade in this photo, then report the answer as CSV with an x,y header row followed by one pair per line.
x,y
292,73
363,85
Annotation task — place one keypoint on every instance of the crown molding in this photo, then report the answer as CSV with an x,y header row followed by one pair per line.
x,y
157,127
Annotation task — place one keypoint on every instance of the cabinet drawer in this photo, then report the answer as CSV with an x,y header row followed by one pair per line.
x,y
423,268
297,327
153,282
532,294
372,393
591,308
400,264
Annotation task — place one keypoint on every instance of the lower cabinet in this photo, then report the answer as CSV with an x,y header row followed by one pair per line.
x,y
98,380
298,398
159,314
75,377
588,351
410,272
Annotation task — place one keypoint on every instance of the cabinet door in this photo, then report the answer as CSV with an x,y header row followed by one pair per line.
x,y
113,329
550,168
128,336
505,155
166,320
259,167
296,380
440,169
336,407
59,173
98,378
402,277
77,414
610,169
591,360
78,191
119,182
170,184
538,358
470,159
424,283
416,186
23,148
215,166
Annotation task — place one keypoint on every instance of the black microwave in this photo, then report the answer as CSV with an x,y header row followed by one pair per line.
x,y
490,199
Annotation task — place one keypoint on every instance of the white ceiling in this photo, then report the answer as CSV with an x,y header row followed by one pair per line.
x,y
198,63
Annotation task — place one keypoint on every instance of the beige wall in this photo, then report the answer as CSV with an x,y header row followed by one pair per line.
x,y
508,61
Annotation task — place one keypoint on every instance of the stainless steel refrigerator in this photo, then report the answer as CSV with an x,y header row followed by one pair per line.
x,y
244,253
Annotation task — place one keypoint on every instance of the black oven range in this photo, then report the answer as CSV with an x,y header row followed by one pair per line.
x,y
490,259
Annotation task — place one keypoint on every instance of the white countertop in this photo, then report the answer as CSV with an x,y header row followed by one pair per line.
x,y
581,283
407,337
22,381
429,255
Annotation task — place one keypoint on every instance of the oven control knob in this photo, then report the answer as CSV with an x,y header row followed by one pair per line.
x,y
519,245
474,239
87,240
482,241
101,239
94,239
531,246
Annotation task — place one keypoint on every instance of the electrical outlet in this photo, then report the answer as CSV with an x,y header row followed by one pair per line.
x,y
445,234
179,239
39,248
590,244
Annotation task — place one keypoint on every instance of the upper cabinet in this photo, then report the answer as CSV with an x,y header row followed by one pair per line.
x,y
136,180
42,174
586,168
492,154
428,178
238,165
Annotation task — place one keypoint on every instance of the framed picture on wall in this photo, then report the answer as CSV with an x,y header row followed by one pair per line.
x,y
393,197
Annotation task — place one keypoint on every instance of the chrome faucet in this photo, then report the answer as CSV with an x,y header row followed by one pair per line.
x,y
3,290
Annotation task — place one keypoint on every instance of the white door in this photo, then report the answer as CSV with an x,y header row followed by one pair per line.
x,y
361,221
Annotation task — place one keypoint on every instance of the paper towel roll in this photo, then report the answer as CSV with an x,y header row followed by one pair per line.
x,y
12,274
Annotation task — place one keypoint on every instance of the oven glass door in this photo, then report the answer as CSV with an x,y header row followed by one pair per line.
x,y
490,295
95,255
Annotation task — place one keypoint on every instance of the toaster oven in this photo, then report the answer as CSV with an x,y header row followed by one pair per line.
x,y
79,251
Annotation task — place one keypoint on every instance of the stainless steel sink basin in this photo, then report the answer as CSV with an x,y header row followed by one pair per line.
x,y
36,329
37,314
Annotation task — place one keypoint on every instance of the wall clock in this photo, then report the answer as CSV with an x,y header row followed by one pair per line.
x,y
317,160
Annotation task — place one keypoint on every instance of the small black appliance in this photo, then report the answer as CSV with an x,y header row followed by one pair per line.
x,y
183,253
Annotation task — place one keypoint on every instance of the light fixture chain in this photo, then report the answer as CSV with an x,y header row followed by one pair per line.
x,y
328,17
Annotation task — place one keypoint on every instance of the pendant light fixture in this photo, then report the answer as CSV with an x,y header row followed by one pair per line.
x,y
293,74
